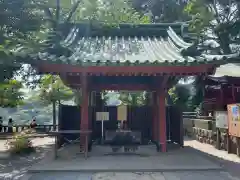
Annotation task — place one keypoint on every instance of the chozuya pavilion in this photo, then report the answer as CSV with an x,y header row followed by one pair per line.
x,y
128,57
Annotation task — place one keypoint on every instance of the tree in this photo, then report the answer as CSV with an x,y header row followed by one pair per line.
x,y
216,24
180,96
19,22
10,94
110,12
162,10
133,98
53,91
215,21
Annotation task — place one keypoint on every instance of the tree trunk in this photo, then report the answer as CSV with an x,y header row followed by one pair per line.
x,y
54,115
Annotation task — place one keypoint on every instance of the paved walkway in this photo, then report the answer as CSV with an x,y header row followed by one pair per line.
x,y
135,176
146,161
229,161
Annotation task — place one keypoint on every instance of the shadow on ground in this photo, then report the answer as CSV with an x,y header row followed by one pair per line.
x,y
17,166
230,162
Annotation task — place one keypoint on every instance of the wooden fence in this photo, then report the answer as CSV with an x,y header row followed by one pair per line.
x,y
203,129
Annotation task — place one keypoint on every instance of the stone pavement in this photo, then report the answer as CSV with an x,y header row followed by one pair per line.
x,y
210,150
230,162
208,175
183,159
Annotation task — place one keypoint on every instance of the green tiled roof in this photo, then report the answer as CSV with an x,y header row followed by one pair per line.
x,y
97,48
118,50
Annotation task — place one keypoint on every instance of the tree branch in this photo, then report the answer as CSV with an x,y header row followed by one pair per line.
x,y
73,10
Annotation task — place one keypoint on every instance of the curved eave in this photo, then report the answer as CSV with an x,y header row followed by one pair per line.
x,y
65,60
177,39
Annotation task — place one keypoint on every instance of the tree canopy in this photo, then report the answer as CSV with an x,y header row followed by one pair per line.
x,y
10,93
216,23
133,98
52,89
162,11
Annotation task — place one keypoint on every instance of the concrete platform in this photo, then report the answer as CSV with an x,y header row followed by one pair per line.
x,y
146,160
208,175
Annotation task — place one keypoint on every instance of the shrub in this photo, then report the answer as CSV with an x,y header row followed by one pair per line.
x,y
20,144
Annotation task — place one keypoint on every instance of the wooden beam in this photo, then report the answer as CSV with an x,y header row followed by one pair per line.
x,y
126,70
114,87
130,87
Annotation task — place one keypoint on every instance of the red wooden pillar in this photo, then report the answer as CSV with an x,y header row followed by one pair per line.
x,y
155,117
162,119
90,99
84,125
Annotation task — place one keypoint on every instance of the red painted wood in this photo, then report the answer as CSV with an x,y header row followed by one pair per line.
x,y
84,125
162,119
155,117
126,70
116,87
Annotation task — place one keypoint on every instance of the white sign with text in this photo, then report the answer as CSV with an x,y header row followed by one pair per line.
x,y
102,116
221,119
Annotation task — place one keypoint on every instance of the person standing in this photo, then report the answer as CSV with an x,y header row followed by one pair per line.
x,y
10,125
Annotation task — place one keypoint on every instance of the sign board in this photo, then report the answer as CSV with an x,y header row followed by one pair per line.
x,y
234,119
122,112
221,119
102,116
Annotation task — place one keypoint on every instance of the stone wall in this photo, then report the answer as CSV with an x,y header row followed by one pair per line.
x,y
205,131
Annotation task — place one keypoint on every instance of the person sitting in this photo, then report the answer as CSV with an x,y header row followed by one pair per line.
x,y
33,124
10,125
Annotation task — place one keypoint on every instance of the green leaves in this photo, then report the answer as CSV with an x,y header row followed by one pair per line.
x,y
108,12
180,95
19,23
52,89
216,20
200,13
133,98
10,93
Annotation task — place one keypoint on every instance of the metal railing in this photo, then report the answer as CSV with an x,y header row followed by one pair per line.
x,y
190,114
195,115
19,128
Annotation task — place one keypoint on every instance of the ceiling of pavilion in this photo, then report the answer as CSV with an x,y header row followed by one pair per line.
x,y
88,50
